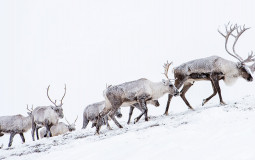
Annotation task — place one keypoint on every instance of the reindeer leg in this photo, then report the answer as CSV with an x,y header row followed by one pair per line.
x,y
37,135
130,113
85,122
48,126
183,92
143,105
100,119
178,83
107,123
11,138
217,86
33,130
112,115
22,137
214,93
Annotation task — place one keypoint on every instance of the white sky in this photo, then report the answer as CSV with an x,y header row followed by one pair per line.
x,y
87,44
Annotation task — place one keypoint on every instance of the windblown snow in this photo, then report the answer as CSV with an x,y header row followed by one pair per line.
x,y
211,132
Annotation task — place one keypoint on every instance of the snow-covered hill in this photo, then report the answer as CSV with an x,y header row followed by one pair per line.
x,y
210,132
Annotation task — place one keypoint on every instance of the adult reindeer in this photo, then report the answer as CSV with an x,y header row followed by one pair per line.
x,y
129,93
47,116
16,124
214,69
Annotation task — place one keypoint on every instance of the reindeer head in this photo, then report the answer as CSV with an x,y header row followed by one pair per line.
x,y
57,108
71,127
171,89
236,31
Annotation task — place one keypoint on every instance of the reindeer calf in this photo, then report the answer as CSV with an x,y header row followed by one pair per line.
x,y
92,111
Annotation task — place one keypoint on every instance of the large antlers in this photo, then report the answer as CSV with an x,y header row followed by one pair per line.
x,y
166,68
61,103
239,31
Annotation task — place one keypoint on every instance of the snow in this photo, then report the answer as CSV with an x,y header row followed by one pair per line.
x,y
211,132
87,44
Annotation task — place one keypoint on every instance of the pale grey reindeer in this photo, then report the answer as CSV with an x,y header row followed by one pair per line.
x,y
16,124
129,93
92,111
214,69
47,116
153,102
58,129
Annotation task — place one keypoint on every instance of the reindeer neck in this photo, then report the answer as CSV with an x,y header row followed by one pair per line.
x,y
158,89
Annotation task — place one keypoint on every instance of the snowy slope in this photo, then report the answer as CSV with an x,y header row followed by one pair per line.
x,y
210,132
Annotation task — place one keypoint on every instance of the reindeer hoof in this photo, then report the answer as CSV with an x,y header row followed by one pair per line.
x,y
204,101
223,103
120,126
135,120
191,108
166,113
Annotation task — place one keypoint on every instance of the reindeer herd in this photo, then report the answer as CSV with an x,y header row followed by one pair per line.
x,y
137,94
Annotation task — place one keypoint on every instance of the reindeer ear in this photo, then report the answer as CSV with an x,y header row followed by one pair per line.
x,y
239,65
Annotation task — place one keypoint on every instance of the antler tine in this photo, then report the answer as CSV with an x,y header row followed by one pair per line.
x,y
229,31
250,58
166,68
63,96
76,119
49,96
67,121
30,109
239,33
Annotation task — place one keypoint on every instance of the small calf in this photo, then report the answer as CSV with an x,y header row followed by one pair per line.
x,y
92,111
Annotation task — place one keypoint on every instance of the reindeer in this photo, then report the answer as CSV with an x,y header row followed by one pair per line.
x,y
58,129
153,102
214,69
16,124
129,93
92,111
47,116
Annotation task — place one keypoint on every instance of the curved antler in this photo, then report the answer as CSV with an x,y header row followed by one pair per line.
x,y
229,31
49,96
63,96
239,31
166,68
